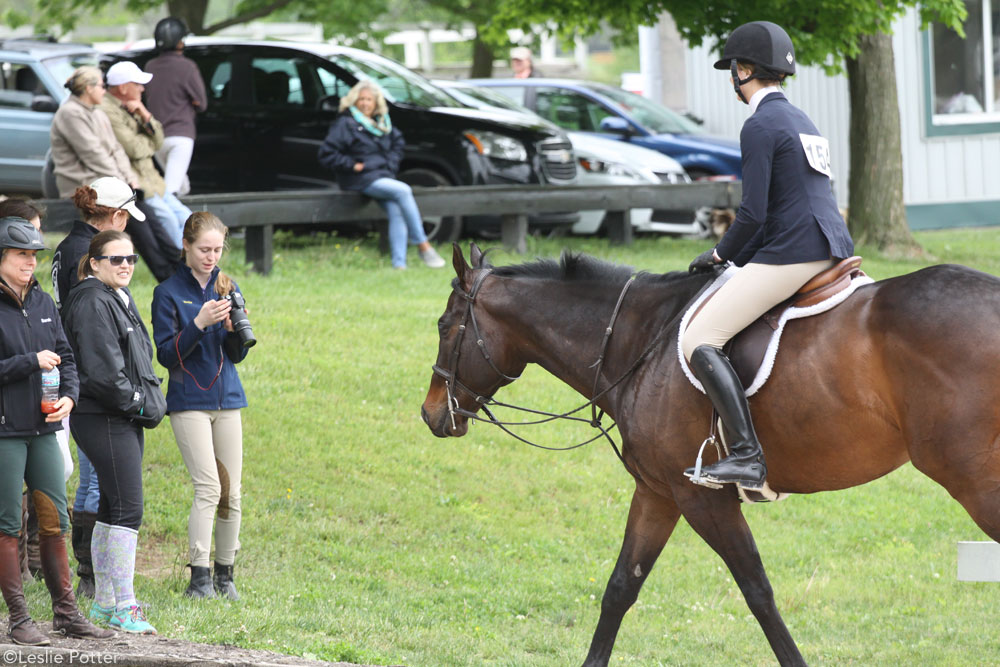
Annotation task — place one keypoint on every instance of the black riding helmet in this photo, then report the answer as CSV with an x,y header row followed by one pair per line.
x,y
168,32
19,233
762,43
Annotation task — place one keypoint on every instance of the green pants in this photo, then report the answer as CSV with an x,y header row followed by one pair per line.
x,y
36,460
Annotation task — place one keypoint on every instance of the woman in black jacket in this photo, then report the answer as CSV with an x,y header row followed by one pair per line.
x,y
32,341
364,150
119,394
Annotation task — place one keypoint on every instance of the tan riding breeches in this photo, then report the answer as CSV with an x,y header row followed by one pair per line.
x,y
211,443
748,294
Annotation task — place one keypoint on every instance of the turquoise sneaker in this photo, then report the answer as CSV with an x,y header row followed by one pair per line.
x,y
99,614
133,620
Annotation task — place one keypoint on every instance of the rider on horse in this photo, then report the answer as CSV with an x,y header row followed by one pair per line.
x,y
788,228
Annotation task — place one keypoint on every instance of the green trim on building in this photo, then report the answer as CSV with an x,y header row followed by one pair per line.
x,y
955,214
932,130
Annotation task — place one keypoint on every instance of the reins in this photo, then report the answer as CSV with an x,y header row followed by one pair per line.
x,y
452,382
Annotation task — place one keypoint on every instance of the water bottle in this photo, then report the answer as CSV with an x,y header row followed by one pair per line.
x,y
50,389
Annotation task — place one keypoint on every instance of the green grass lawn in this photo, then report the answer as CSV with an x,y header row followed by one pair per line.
x,y
367,539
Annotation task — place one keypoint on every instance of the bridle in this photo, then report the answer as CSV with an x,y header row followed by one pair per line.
x,y
452,382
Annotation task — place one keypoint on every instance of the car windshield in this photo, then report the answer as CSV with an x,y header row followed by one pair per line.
x,y
62,67
493,98
400,85
654,117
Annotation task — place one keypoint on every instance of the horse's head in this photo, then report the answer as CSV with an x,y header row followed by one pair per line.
x,y
474,360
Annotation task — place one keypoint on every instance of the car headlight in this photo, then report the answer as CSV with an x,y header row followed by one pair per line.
x,y
615,169
497,146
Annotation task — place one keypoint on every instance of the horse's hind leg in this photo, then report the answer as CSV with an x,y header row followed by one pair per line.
x,y
716,517
651,520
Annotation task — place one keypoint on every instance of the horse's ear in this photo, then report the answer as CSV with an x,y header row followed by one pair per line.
x,y
475,255
462,269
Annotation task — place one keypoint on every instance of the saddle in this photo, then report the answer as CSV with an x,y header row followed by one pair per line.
x,y
746,350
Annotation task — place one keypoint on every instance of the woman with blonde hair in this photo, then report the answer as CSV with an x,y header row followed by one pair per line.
x,y
364,150
196,342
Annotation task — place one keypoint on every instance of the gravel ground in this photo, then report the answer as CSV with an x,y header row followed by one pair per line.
x,y
143,651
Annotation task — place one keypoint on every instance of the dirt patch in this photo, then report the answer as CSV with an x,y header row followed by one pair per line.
x,y
145,651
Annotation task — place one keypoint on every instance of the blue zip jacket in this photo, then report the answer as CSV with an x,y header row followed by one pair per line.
x,y
176,302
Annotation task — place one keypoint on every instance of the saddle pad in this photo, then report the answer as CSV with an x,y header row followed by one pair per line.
x,y
772,348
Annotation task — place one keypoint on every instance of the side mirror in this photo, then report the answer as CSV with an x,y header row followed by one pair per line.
x,y
616,125
44,103
329,103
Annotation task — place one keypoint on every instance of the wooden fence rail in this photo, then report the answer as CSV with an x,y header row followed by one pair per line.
x,y
258,212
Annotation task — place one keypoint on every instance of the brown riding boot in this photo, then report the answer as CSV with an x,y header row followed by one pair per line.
x,y
66,617
21,629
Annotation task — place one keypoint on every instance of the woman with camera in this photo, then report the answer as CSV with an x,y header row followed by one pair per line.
x,y
193,315
32,343
119,396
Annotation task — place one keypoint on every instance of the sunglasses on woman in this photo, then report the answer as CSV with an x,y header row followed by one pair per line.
x,y
116,260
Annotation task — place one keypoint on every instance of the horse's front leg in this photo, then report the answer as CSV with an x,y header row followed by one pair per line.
x,y
651,519
716,516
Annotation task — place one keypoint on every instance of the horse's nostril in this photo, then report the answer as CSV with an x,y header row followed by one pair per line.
x,y
424,415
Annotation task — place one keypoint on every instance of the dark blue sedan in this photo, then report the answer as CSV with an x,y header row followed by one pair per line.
x,y
586,106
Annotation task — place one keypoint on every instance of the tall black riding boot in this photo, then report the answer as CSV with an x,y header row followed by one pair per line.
x,y
83,532
745,464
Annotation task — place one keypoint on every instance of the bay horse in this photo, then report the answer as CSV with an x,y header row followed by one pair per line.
x,y
904,370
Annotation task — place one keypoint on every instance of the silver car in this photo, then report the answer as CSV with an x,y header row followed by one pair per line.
x,y
32,74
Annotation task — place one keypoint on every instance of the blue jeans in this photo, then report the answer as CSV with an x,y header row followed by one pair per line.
x,y
87,493
396,199
172,213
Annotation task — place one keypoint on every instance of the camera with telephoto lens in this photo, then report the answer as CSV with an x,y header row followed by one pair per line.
x,y
239,319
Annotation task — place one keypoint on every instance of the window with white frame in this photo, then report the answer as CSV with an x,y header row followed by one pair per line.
x,y
965,72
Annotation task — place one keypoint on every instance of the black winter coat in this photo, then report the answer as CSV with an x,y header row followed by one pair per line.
x,y
67,256
105,335
348,143
25,330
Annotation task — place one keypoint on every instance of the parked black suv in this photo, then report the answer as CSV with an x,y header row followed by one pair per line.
x,y
270,105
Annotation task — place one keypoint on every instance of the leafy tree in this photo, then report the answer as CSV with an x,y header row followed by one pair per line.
x,y
851,35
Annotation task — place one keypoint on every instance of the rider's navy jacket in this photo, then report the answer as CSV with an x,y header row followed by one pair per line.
x,y
788,214
176,302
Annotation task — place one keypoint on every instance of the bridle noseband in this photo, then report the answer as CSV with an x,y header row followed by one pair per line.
x,y
452,382
450,374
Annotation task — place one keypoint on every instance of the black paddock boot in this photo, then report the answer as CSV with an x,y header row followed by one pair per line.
x,y
223,579
201,583
745,464
83,532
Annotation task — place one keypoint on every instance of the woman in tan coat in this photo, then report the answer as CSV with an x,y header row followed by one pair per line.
x,y
84,146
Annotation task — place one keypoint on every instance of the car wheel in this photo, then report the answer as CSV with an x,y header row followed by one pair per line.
x,y
439,229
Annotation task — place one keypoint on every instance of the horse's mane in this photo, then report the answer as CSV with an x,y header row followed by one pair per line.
x,y
577,267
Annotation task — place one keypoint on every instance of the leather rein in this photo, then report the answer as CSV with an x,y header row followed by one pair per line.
x,y
452,382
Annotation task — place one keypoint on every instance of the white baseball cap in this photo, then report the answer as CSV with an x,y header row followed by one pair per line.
x,y
520,53
115,193
127,72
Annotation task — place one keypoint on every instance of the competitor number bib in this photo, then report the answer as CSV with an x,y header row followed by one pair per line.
x,y
817,153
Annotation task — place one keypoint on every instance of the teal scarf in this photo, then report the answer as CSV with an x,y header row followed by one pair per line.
x,y
382,126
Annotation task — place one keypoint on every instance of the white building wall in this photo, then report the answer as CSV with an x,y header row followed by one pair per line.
x,y
936,170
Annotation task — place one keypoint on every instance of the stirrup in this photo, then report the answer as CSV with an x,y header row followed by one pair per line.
x,y
696,477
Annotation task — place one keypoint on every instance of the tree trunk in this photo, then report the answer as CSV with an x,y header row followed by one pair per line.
x,y
876,214
192,12
482,59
